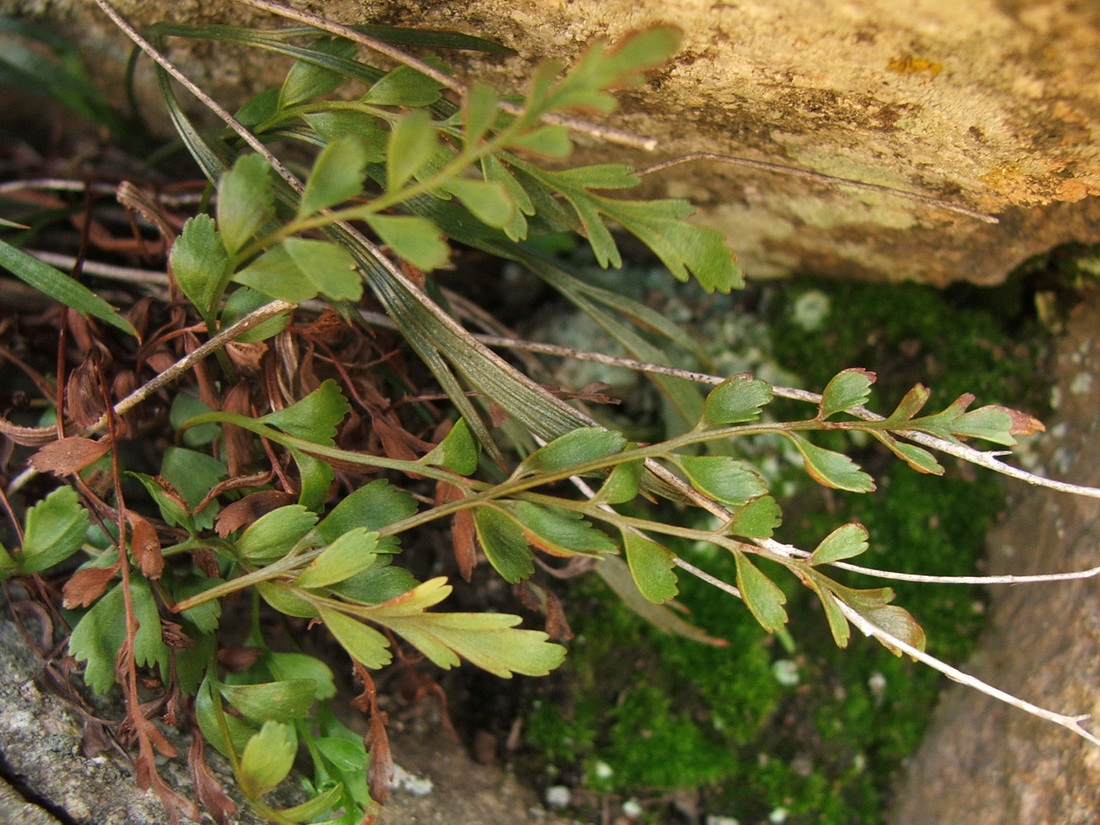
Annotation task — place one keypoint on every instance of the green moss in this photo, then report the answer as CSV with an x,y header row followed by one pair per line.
x,y
643,713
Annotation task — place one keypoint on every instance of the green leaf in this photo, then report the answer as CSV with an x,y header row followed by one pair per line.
x,y
101,632
616,573
685,248
488,640
208,712
352,553
403,86
277,275
207,615
371,507
992,423
344,754
458,451
600,68
328,266
487,201
314,808
286,666
652,566
267,759
504,544
173,509
831,469
582,445
916,457
898,622
413,238
363,643
334,125
412,144
282,701
623,483
198,261
722,478
910,405
191,473
274,534
316,475
559,532
757,519
245,201
479,113
55,529
764,598
185,407
280,597
243,302
306,81
838,623
847,389
494,171
544,141
60,287
314,418
376,585
414,602
259,108
845,542
737,399
337,175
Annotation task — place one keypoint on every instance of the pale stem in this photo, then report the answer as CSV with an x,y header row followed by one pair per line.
x,y
1073,723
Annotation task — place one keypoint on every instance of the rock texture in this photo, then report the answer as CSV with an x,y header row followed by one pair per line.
x,y
46,780
982,762
992,104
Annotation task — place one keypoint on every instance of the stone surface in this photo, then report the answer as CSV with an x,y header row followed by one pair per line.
x,y
992,104
45,779
982,762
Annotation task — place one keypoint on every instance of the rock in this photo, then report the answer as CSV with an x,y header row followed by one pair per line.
x,y
992,105
982,762
45,779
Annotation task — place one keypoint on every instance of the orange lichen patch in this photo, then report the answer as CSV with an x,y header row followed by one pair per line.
x,y
914,65
1003,176
1076,190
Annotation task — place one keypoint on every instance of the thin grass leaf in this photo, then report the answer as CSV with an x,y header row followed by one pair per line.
x,y
61,287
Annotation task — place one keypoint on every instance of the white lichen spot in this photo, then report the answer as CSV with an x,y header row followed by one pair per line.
x,y
810,309
632,809
558,796
410,783
602,770
785,672
1055,398
714,819
876,683
778,816
1082,383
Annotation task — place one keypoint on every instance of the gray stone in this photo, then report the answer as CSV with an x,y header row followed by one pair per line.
x,y
993,105
982,762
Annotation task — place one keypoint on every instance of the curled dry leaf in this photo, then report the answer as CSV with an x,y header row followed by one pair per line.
x,y
87,585
249,509
238,443
463,534
83,392
145,546
215,800
69,455
1022,423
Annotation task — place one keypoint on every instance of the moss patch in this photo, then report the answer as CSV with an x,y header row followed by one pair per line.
x,y
802,733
